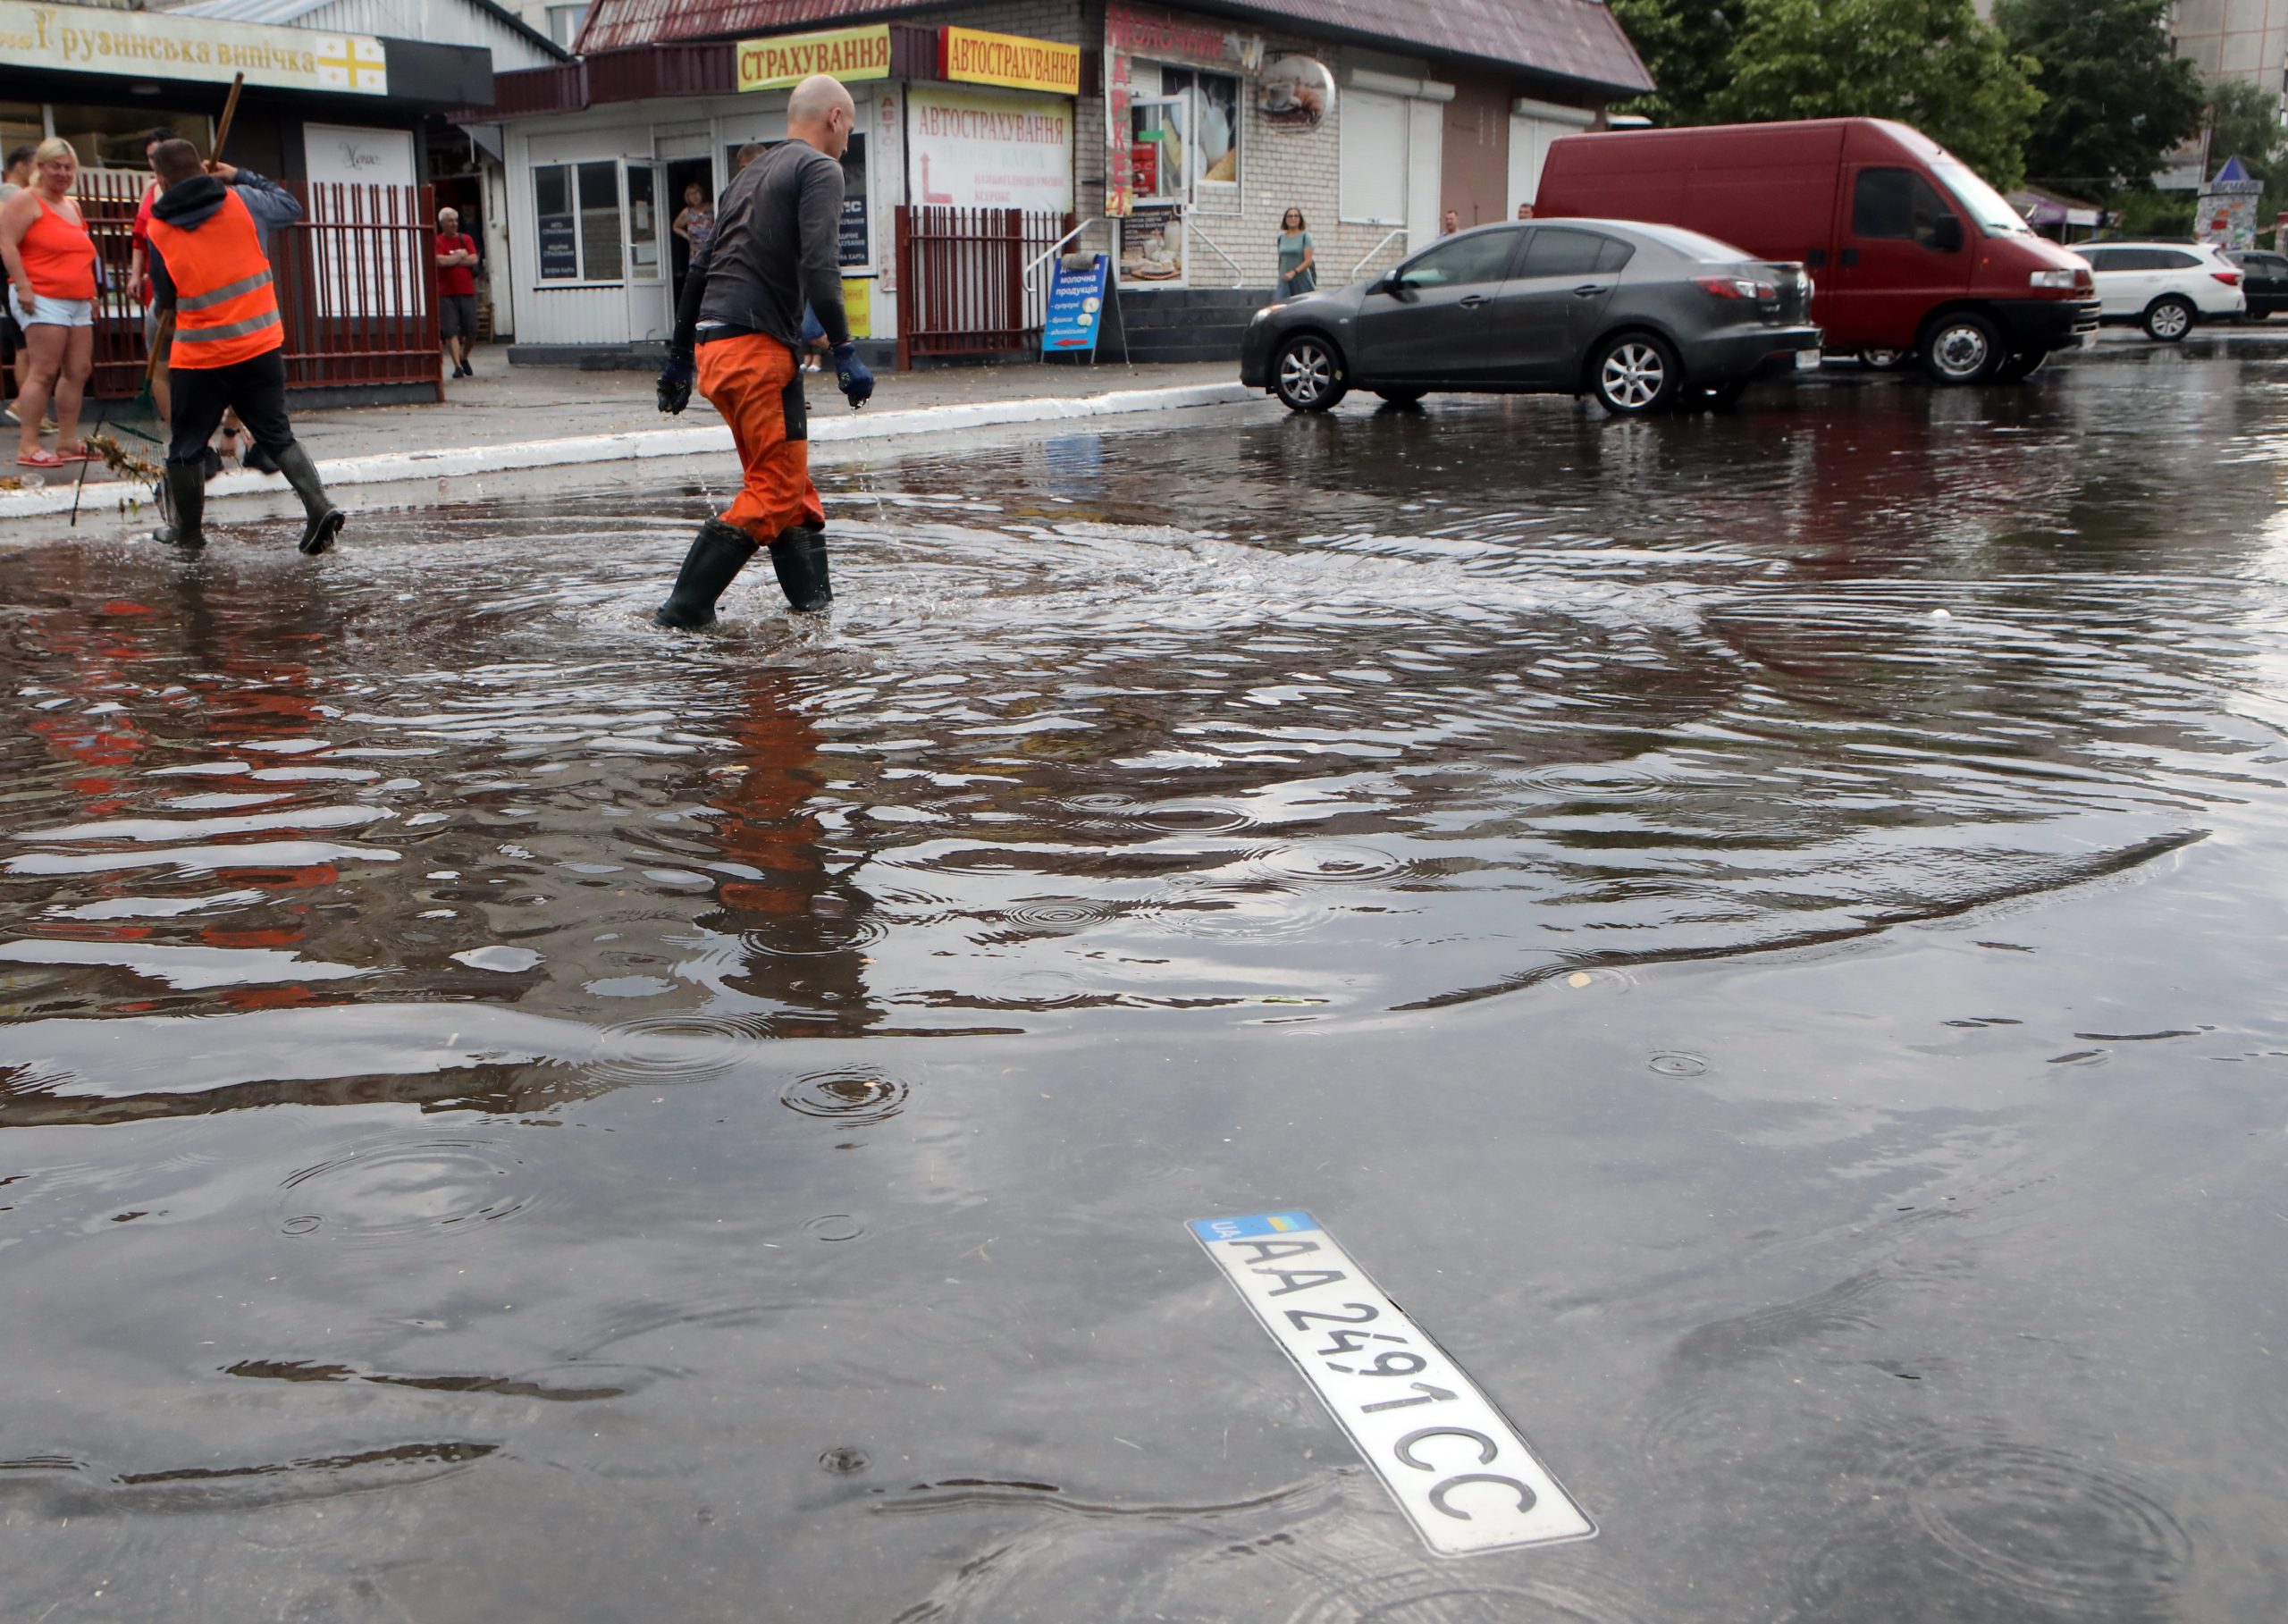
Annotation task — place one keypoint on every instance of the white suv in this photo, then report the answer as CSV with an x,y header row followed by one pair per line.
x,y
2163,287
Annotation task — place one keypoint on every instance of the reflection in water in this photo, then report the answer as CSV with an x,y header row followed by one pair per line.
x,y
1406,719
701,1006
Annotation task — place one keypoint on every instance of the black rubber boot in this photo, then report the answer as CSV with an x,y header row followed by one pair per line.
x,y
260,461
717,553
185,487
799,556
325,520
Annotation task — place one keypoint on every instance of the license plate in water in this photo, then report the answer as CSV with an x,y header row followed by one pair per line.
x,y
1807,360
1455,1467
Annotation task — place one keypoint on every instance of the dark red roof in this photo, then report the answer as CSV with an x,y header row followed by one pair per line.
x,y
1572,39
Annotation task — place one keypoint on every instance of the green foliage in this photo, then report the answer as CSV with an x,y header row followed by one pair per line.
x,y
2118,98
2153,213
1932,63
1687,45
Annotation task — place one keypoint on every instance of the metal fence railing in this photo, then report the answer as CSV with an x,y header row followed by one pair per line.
x,y
960,280
356,286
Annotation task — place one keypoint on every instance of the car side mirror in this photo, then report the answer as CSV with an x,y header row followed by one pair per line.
x,y
1390,281
1947,234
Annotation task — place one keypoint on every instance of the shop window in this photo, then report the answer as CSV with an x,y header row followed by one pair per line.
x,y
643,222
112,138
564,23
1209,172
1374,159
20,125
576,209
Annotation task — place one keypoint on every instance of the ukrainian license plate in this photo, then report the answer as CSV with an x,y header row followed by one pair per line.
x,y
1807,360
1455,1467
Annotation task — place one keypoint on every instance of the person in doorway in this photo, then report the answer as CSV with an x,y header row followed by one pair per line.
x,y
14,355
749,153
695,222
1297,256
51,264
738,329
456,263
207,266
1525,211
1452,224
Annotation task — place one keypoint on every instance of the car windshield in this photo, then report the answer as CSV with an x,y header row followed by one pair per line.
x,y
1985,206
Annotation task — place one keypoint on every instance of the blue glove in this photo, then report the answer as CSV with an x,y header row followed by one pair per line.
x,y
675,379
851,376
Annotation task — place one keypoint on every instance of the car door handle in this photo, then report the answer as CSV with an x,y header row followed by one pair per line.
x,y
1849,256
1588,290
1472,301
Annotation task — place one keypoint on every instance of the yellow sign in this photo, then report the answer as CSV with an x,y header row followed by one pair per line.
x,y
972,56
858,305
157,44
789,59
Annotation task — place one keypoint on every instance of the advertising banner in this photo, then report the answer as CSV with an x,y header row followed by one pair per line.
x,y
987,149
972,56
157,44
786,60
1151,244
1076,308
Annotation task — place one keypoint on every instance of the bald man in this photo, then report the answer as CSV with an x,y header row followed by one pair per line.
x,y
778,230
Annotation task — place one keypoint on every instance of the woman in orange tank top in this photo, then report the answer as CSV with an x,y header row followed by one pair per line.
x,y
51,264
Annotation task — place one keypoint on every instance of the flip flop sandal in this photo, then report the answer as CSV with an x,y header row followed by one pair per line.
x,y
43,458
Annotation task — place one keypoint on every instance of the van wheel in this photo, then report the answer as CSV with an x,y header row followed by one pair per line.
x,y
1633,374
1963,347
2020,367
2168,320
1306,373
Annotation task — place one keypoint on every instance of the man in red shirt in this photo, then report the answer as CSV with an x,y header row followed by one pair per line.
x,y
455,290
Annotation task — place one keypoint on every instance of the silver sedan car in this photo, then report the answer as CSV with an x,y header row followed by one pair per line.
x,y
1642,317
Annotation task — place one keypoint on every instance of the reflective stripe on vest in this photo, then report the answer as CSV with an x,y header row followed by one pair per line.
x,y
226,309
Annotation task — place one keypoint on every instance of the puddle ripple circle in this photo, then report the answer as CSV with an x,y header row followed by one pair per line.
x,y
401,1191
689,1047
1330,862
851,1097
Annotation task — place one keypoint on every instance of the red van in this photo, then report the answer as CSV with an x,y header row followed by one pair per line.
x,y
1909,249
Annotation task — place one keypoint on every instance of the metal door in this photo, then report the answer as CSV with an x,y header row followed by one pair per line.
x,y
1901,250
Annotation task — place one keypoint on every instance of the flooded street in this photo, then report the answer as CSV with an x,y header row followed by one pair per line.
x,y
1760,931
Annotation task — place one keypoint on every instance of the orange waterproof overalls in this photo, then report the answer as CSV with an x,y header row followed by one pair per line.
x,y
752,379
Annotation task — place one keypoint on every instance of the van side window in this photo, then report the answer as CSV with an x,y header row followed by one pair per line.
x,y
1897,204
1553,253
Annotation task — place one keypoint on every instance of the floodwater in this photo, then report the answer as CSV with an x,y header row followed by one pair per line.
x,y
1761,931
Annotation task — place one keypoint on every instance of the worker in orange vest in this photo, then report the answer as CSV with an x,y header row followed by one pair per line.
x,y
209,267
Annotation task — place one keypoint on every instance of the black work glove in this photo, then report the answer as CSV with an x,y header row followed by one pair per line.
x,y
851,376
675,379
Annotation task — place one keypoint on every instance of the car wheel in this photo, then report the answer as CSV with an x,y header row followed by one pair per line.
x,y
1963,348
2020,367
1401,397
1881,360
1306,373
1633,374
2168,320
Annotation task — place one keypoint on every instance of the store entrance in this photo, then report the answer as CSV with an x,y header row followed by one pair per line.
x,y
682,173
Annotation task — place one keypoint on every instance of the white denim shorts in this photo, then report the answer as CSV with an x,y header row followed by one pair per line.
x,y
51,312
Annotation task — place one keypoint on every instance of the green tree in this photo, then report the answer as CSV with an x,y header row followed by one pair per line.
x,y
1688,46
1932,63
2118,96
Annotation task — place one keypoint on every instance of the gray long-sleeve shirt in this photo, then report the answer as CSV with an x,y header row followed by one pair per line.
x,y
778,230
191,204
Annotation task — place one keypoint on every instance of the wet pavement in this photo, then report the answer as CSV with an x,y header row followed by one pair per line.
x,y
1759,930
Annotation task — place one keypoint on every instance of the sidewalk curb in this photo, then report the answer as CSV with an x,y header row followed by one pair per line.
x,y
394,466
